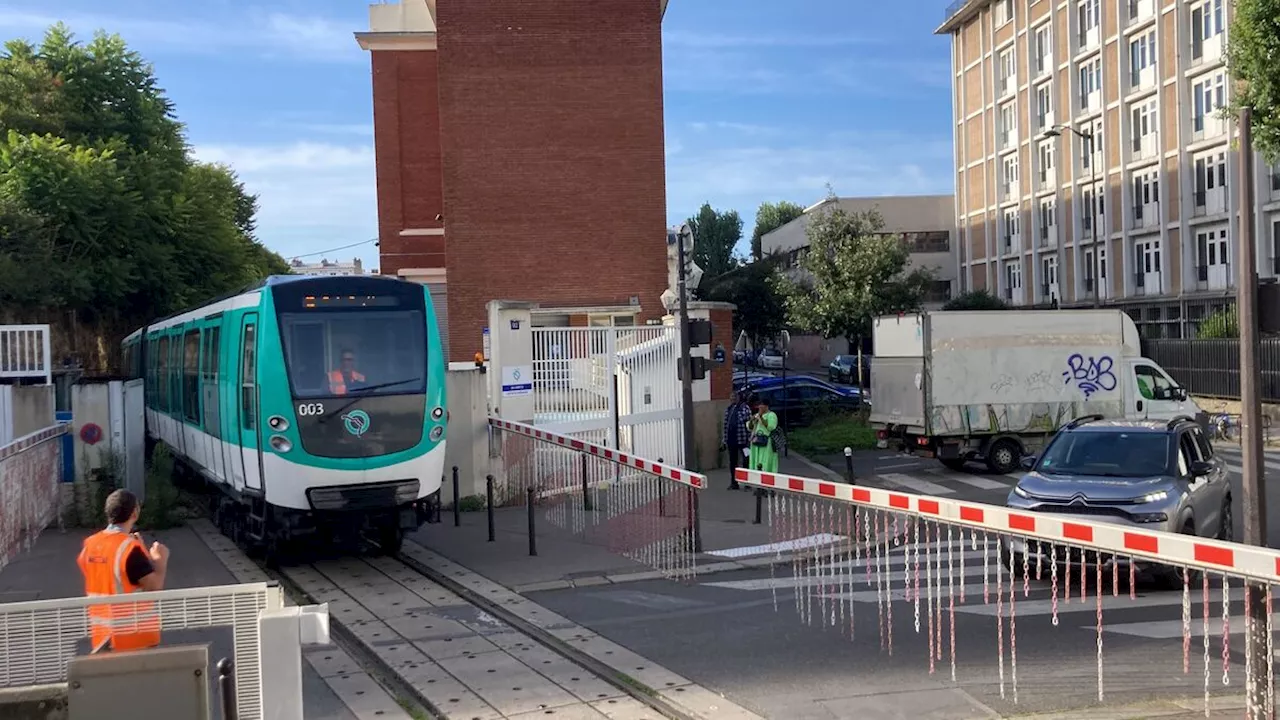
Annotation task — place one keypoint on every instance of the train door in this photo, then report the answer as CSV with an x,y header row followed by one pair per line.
x,y
212,411
250,453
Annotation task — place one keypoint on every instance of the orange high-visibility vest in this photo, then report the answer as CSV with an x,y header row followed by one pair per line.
x,y
126,626
338,384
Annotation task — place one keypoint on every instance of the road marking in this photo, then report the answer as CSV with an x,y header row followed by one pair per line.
x,y
778,547
653,601
924,487
898,465
838,580
1031,608
1169,629
980,482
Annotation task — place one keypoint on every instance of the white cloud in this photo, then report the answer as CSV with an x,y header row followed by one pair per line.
x,y
311,196
268,34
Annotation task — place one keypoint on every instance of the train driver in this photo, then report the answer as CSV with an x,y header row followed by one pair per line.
x,y
345,376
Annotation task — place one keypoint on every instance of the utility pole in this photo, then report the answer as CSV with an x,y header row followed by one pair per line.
x,y
1251,468
1098,245
686,376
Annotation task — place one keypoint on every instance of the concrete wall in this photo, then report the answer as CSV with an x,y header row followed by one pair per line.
x,y
708,423
467,439
36,702
24,409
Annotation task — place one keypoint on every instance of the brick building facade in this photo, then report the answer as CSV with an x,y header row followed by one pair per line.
x,y
517,158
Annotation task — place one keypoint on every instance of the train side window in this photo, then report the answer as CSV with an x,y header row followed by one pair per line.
x,y
248,375
162,378
191,377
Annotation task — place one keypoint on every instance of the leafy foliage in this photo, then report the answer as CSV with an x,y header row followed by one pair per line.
x,y
760,308
1253,56
1222,324
770,217
715,235
102,210
857,273
976,300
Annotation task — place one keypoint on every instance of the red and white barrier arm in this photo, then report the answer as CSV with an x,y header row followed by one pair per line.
x,y
1166,548
670,472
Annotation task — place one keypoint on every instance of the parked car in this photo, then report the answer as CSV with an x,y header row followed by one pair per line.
x,y
770,359
1149,474
843,369
800,399
741,379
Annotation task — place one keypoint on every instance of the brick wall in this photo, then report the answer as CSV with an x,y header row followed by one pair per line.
x,y
406,124
722,375
553,155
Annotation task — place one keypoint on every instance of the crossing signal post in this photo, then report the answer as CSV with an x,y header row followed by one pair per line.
x,y
684,237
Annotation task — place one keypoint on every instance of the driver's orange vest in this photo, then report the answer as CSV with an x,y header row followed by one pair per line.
x,y
126,626
338,384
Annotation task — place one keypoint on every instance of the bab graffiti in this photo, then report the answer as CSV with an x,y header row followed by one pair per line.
x,y
1090,374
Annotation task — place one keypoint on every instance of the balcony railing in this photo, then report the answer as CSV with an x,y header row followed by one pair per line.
x,y
1088,284
1199,202
1275,182
1008,293
1139,279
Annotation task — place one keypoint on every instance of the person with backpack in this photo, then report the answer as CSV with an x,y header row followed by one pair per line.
x,y
766,439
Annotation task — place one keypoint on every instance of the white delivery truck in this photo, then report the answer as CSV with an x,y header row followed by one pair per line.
x,y
995,385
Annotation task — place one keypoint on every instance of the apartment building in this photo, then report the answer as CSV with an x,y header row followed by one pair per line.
x,y
1092,165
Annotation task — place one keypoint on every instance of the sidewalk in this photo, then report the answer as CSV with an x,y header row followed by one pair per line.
x,y
49,571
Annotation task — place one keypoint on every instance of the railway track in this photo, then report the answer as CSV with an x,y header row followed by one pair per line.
x,y
465,648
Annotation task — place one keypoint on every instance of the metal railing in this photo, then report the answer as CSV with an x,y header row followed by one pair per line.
x,y
39,638
30,470
25,352
1211,367
927,541
640,508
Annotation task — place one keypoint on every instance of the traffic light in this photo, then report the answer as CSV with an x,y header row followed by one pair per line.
x,y
699,332
699,365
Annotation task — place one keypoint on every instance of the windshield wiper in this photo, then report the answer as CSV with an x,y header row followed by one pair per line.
x,y
366,389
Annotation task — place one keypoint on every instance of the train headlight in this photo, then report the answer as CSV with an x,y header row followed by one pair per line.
x,y
437,413
407,492
281,444
437,432
278,423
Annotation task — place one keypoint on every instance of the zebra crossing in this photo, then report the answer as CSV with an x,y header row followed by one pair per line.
x,y
929,477
958,562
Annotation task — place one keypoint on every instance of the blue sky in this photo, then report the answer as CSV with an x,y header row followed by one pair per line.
x,y
764,101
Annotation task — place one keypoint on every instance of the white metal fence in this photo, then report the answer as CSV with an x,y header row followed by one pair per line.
x,y
614,386
39,638
30,469
25,352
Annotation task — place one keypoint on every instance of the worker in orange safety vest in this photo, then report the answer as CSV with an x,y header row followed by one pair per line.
x,y
116,562
346,375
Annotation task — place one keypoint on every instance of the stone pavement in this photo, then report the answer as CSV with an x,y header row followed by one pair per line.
x,y
49,571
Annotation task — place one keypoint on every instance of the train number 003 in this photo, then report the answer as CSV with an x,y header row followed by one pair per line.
x,y
310,409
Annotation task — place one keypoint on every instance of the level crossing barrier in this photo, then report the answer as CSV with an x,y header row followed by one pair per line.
x,y
640,508
929,538
30,470
248,622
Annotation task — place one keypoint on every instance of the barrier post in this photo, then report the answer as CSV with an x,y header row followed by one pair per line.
x,y
848,466
227,688
457,501
533,538
586,492
488,504
662,500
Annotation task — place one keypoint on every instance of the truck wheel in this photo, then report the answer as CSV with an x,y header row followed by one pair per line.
x,y
953,463
1003,456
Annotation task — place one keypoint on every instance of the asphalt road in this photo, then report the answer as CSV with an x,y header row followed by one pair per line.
x,y
725,633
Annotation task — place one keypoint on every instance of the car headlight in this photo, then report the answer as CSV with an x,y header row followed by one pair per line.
x,y
1155,496
1017,490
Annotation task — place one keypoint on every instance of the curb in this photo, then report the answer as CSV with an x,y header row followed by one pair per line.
x,y
1179,708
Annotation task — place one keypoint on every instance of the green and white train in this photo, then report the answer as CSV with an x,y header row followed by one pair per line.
x,y
315,405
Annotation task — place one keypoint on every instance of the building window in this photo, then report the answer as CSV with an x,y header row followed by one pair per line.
x,y
1143,130
1012,278
1012,225
1009,176
1140,9
937,241
1008,126
1142,61
1091,148
1049,277
1042,50
939,291
1275,245
1210,183
1044,105
1003,11
1006,80
1088,15
1206,30
1048,221
1146,198
1045,164
1208,94
1091,85
1092,207
1146,258
1212,258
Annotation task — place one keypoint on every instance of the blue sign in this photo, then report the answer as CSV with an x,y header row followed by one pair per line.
x,y
515,324
356,422
719,355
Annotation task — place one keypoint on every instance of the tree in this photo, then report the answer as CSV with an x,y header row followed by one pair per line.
x,y
1253,56
976,300
103,213
754,289
715,235
770,217
1222,324
856,273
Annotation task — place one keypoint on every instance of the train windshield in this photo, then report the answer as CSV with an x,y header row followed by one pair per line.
x,y
356,344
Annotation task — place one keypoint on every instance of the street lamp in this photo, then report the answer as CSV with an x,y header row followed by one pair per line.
x,y
1087,137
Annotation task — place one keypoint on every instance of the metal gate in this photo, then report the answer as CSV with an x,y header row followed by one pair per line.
x,y
614,386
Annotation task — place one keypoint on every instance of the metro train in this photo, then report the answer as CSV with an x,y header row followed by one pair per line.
x,y
313,405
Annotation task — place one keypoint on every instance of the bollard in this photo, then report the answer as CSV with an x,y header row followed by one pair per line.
x,y
662,500
533,538
488,502
586,491
848,466
227,688
457,501
759,493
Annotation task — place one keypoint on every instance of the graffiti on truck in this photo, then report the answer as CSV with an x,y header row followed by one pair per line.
x,y
1090,374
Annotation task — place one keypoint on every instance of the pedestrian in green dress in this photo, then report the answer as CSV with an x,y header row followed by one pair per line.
x,y
764,456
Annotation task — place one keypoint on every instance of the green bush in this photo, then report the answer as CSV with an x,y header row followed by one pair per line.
x,y
163,507
472,503
830,434
1222,324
